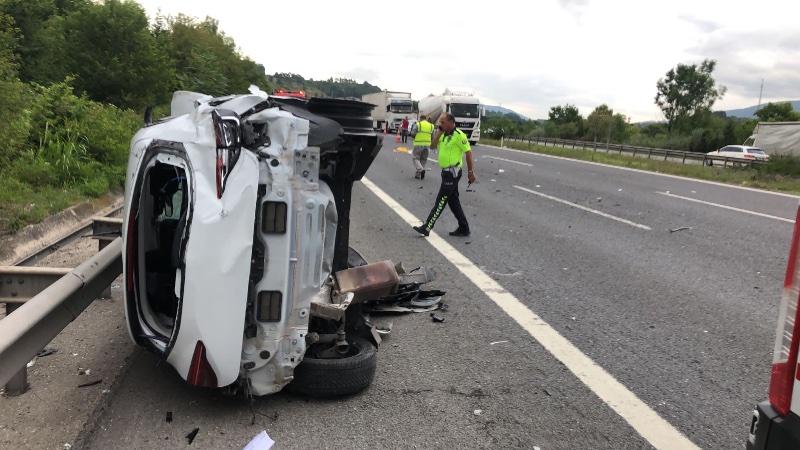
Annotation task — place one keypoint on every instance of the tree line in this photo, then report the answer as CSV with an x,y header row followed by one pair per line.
x,y
76,76
686,96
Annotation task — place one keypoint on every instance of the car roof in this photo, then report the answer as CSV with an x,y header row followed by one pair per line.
x,y
744,147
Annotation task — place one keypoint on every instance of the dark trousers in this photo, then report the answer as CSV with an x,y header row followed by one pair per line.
x,y
448,195
404,135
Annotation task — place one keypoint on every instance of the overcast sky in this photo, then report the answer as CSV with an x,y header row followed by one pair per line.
x,y
524,55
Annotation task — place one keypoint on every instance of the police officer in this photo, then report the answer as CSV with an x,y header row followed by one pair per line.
x,y
453,145
422,131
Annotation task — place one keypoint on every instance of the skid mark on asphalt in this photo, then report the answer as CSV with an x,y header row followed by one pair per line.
x,y
746,211
652,427
584,208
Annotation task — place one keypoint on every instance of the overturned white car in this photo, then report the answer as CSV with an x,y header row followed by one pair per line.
x,y
236,259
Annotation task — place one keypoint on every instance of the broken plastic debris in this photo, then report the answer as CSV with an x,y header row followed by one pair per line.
x,y
673,230
47,351
497,342
500,171
619,190
192,434
261,441
82,371
477,412
437,318
538,186
67,446
91,383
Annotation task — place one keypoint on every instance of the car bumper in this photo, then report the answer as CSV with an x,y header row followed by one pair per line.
x,y
770,431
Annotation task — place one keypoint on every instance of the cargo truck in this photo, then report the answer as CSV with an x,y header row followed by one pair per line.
x,y
463,105
776,138
390,109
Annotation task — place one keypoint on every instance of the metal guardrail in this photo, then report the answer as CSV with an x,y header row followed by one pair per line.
x,y
636,150
42,301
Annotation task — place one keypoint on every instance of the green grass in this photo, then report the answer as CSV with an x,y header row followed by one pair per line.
x,y
779,175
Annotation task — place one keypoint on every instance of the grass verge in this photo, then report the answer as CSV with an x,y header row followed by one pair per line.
x,y
759,177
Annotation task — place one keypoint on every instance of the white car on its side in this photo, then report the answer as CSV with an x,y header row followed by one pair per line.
x,y
742,152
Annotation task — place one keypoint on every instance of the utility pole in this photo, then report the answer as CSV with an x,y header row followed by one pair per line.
x,y
760,93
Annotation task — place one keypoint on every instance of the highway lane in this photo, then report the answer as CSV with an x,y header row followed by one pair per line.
x,y
685,320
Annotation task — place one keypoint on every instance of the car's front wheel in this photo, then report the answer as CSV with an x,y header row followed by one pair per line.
x,y
334,377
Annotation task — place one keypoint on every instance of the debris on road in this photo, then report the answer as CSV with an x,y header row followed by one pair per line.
x,y
500,171
47,351
261,441
497,342
437,318
192,434
91,383
82,371
169,416
477,412
674,230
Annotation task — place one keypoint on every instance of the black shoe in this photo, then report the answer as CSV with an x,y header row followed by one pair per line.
x,y
459,232
422,175
422,230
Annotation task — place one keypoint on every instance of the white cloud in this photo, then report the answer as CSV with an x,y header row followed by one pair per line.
x,y
526,55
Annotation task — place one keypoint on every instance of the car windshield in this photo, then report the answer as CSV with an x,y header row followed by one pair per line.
x,y
464,109
755,150
401,107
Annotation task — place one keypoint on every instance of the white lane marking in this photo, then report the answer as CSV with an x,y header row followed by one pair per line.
x,y
509,160
575,205
652,427
677,177
746,211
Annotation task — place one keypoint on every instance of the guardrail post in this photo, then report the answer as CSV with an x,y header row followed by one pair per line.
x,y
595,146
725,162
649,153
684,158
18,384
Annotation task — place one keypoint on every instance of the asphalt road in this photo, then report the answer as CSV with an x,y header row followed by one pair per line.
x,y
685,320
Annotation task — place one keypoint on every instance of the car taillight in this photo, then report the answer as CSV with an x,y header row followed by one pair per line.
x,y
200,371
784,360
227,133
749,156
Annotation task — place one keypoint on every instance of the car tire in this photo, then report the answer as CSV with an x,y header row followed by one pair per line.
x,y
336,377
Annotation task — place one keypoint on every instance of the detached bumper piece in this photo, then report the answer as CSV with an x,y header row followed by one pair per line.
x,y
770,431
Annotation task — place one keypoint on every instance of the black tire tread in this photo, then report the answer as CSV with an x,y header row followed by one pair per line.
x,y
336,377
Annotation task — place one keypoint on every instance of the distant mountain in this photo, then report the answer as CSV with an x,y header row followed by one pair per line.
x,y
492,109
748,113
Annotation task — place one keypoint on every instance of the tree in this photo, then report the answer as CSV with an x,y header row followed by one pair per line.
x,y
114,57
686,90
777,112
565,122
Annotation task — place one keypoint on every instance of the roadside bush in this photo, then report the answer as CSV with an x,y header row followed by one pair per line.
x,y
782,165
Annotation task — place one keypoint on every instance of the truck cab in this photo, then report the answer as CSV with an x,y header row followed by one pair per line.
x,y
396,110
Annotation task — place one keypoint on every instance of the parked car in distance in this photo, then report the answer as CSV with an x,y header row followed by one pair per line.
x,y
743,152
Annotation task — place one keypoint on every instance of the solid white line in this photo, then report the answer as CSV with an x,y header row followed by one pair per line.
x,y
652,427
575,205
768,216
509,160
629,169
